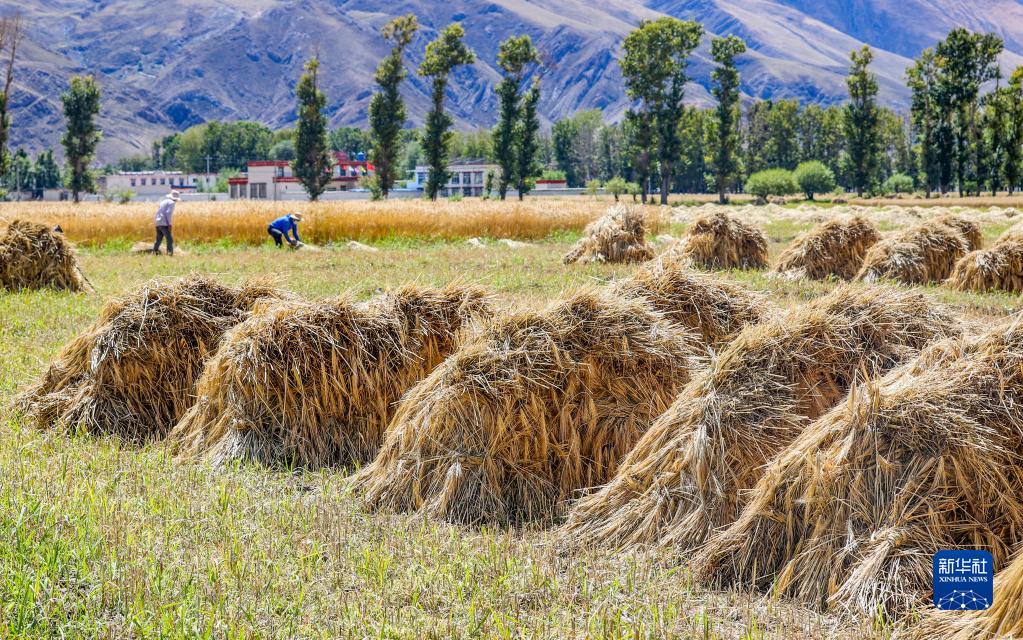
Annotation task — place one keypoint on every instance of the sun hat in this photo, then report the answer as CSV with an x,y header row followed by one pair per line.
x,y
174,195
296,216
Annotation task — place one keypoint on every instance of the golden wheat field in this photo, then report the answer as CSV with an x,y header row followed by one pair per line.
x,y
266,535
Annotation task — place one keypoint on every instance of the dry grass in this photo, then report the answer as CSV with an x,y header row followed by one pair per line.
x,y
834,249
688,473
531,410
721,241
131,373
246,221
1004,620
315,384
617,237
998,268
927,458
32,256
921,254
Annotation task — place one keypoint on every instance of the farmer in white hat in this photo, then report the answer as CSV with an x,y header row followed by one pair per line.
x,y
280,229
164,222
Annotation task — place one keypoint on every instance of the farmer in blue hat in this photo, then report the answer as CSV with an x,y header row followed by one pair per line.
x,y
285,228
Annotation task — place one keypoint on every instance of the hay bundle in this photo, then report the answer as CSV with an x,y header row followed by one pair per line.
x,y
1000,267
834,249
1003,620
619,236
920,254
131,373
714,308
927,458
719,241
534,408
32,256
687,474
315,384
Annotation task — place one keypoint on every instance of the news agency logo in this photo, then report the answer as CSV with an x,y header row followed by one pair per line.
x,y
964,580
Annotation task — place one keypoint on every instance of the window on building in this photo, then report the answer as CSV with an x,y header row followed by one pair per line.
x,y
467,178
133,182
454,178
477,177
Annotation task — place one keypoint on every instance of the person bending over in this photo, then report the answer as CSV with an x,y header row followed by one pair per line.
x,y
285,228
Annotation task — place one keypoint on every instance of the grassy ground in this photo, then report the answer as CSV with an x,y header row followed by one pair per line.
x,y
103,540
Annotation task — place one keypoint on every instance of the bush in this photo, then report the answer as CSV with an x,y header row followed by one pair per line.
x,y
899,183
552,174
814,177
455,197
593,187
371,184
124,196
772,182
616,186
633,189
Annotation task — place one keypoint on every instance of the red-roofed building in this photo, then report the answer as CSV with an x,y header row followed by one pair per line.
x,y
274,179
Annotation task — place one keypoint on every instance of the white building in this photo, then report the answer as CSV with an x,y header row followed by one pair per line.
x,y
148,184
275,179
468,178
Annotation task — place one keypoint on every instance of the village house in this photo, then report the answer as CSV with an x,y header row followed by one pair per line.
x,y
154,184
275,179
468,178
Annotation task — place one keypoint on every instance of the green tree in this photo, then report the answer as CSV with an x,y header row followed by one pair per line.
x,y
783,135
771,182
513,56
925,116
442,56
639,133
527,141
11,33
726,90
313,161
387,109
283,150
814,177
354,140
898,183
616,186
862,122
46,171
654,66
563,135
81,106
1014,135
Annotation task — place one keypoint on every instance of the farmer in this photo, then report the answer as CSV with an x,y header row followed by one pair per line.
x,y
164,221
281,227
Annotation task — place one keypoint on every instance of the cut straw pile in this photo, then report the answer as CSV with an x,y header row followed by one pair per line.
x,y
131,373
32,256
923,253
927,458
1000,267
713,307
534,408
720,241
1004,620
315,384
688,473
834,249
618,237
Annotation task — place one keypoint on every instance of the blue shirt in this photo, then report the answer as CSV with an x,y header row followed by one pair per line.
x,y
286,224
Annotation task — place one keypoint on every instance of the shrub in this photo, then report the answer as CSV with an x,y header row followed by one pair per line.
x,y
814,177
899,183
552,174
772,182
616,186
593,187
633,189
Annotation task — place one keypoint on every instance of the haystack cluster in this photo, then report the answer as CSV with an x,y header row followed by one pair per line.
x,y
834,249
921,254
926,458
131,373
721,241
618,237
532,409
687,475
1000,267
32,256
315,384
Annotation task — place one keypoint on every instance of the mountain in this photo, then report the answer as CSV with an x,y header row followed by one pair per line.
x,y
166,66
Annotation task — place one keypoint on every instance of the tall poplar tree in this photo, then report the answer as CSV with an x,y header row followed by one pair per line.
x,y
726,90
862,120
81,106
387,109
442,56
527,132
313,161
513,55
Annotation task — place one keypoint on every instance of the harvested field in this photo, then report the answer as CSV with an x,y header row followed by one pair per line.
x,y
617,237
687,474
998,268
33,256
926,458
315,384
921,254
834,249
131,373
722,241
534,408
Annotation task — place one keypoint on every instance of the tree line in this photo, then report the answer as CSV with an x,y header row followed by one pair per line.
x,y
954,137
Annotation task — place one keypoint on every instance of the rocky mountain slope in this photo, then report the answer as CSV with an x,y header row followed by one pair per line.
x,y
166,66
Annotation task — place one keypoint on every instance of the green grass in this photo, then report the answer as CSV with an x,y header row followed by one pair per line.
x,y
105,540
